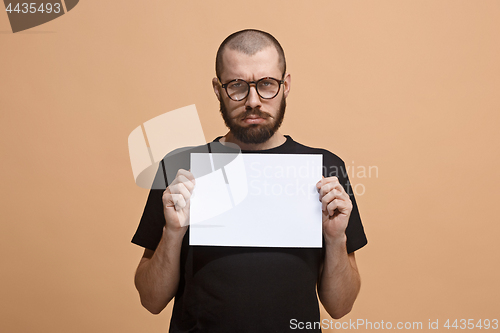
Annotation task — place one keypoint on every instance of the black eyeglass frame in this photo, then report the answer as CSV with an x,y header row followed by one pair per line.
x,y
280,82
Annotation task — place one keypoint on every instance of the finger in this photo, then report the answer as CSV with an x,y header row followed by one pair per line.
x,y
182,190
326,188
330,196
183,180
327,180
331,186
334,195
186,174
342,206
330,208
320,183
170,199
178,201
331,179
340,192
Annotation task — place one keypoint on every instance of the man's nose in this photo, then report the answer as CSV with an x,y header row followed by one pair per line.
x,y
253,99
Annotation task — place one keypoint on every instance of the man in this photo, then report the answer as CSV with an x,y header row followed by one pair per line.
x,y
244,289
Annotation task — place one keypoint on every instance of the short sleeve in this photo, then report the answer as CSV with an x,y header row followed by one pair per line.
x,y
150,229
334,166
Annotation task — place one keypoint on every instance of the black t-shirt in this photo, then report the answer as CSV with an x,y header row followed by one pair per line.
x,y
245,289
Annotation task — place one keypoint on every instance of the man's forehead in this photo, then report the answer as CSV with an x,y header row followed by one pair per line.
x,y
264,62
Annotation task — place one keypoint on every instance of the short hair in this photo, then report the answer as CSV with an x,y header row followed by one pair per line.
x,y
249,41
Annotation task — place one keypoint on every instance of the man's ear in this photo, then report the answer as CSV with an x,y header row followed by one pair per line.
x,y
217,87
288,84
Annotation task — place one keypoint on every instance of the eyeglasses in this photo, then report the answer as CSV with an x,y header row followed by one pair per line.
x,y
267,88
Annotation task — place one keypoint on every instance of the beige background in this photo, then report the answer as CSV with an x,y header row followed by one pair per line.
x,y
411,87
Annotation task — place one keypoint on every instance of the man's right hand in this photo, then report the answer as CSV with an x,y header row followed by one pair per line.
x,y
176,201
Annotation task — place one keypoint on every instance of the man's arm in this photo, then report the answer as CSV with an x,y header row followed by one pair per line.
x,y
339,280
157,276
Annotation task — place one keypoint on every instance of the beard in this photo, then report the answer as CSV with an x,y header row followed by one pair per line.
x,y
254,133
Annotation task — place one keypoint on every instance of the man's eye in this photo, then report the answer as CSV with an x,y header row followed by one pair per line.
x,y
267,84
236,85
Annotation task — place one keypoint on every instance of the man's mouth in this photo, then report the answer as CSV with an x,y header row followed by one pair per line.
x,y
255,118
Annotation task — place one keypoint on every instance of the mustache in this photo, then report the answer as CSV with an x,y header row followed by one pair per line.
x,y
255,112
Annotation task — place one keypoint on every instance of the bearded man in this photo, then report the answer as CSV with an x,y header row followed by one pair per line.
x,y
250,289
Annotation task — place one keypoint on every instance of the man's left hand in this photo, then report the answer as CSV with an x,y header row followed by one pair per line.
x,y
336,207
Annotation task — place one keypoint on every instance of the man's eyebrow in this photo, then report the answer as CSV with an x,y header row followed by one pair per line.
x,y
262,77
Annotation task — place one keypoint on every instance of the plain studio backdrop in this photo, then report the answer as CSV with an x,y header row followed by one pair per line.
x,y
408,88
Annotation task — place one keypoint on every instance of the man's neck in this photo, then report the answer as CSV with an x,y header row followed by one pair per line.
x,y
276,140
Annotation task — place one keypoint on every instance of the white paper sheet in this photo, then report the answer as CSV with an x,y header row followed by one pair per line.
x,y
270,200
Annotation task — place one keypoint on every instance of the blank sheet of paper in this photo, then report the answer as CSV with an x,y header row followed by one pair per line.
x,y
266,200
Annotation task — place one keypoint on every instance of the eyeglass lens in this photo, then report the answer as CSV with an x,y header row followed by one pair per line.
x,y
266,88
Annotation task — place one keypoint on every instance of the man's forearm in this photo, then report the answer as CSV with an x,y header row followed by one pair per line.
x,y
157,277
339,282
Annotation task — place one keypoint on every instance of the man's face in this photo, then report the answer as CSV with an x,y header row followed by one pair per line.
x,y
253,120
258,132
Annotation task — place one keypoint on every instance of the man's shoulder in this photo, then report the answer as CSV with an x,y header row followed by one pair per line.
x,y
183,153
328,156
